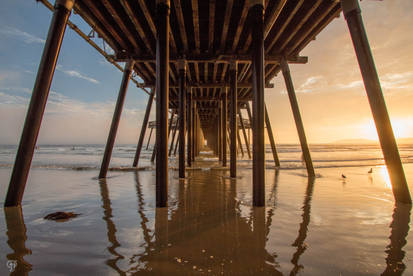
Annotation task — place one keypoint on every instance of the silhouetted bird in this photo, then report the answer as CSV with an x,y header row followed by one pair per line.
x,y
371,170
343,176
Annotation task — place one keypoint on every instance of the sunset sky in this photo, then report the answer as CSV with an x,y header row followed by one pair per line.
x,y
329,88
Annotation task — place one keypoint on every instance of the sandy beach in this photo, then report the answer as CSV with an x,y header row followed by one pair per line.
x,y
329,226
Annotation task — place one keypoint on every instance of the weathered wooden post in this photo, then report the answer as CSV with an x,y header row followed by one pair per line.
x,y
240,143
352,13
170,129
38,101
224,126
171,119
171,146
182,115
177,143
162,100
297,117
189,128
193,130
258,145
271,138
233,119
143,129
153,152
247,143
116,118
149,139
219,126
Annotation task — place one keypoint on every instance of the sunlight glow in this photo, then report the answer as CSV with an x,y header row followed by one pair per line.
x,y
402,128
385,176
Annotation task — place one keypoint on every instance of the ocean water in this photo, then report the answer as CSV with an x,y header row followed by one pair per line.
x,y
85,157
324,226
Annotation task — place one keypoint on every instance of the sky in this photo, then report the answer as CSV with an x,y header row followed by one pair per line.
x,y
329,88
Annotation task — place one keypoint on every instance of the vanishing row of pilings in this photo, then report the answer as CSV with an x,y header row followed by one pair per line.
x,y
189,117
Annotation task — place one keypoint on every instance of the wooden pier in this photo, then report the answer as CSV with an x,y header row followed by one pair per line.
x,y
203,62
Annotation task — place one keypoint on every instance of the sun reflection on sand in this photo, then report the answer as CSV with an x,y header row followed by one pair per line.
x,y
210,226
385,176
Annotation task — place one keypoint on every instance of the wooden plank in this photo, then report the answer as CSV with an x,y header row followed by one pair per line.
x,y
224,70
205,71
128,9
181,23
240,28
311,27
195,19
284,26
121,24
319,28
214,72
268,25
144,74
196,71
297,27
211,24
228,12
98,14
152,26
148,17
273,17
95,25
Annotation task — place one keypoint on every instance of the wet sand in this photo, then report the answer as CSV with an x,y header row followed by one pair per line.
x,y
328,226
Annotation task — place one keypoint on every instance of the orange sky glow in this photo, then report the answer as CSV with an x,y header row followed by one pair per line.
x,y
330,90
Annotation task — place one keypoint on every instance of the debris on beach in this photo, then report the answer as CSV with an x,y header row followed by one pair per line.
x,y
371,170
343,176
61,216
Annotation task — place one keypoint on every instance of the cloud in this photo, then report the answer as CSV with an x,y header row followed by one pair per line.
x,y
76,74
311,84
402,80
397,80
7,99
353,84
67,120
21,35
18,89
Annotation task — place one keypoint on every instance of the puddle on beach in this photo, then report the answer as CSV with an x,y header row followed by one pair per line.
x,y
325,226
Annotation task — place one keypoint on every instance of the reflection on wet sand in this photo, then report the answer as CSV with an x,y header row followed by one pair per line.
x,y
302,232
399,230
16,234
111,228
206,233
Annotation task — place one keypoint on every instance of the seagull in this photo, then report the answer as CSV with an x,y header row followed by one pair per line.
x,y
371,170
343,176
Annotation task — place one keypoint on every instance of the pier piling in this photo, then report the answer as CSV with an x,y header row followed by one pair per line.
x,y
162,100
116,119
233,119
182,114
38,101
352,14
297,117
143,129
258,145
271,138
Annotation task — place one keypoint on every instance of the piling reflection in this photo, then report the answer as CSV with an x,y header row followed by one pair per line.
x,y
111,228
16,239
399,230
205,232
136,259
302,232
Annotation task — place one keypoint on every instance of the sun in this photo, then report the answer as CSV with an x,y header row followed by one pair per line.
x,y
402,128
